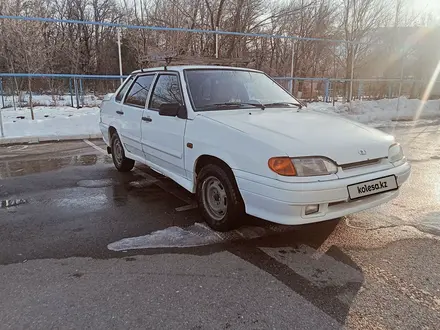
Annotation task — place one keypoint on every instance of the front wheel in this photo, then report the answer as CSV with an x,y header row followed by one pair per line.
x,y
219,198
122,163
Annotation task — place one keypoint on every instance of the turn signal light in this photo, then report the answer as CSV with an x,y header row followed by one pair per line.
x,y
282,166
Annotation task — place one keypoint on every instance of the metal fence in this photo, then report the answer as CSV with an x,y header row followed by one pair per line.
x,y
87,90
334,90
55,89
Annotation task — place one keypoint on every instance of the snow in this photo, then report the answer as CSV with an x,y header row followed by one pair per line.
x,y
171,237
386,112
198,234
50,121
62,120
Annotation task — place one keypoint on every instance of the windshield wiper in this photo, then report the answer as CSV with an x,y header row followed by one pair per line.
x,y
282,104
238,104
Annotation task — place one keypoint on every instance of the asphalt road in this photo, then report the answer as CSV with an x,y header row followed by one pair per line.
x,y
85,247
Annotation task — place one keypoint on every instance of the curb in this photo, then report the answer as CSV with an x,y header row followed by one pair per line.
x,y
34,140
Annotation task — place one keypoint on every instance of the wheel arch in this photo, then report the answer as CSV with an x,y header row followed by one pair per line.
x,y
206,159
236,208
111,130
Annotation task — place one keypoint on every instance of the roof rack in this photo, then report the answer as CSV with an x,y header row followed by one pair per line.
x,y
166,60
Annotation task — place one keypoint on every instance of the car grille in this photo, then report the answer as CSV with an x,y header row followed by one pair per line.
x,y
361,164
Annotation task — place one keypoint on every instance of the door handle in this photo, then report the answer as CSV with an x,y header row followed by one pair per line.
x,y
147,119
120,112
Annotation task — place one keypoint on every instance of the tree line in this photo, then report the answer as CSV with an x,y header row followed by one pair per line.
x,y
375,27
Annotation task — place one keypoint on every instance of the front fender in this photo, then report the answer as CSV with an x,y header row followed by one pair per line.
x,y
238,150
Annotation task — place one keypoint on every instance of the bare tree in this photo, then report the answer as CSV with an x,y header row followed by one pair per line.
x,y
92,49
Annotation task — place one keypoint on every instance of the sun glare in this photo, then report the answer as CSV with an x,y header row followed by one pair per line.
x,y
428,90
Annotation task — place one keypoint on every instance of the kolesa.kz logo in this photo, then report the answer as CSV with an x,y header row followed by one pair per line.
x,y
372,187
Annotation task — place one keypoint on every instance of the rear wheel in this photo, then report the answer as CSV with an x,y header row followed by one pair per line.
x,y
219,198
122,163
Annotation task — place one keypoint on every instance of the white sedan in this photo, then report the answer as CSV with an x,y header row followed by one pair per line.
x,y
243,144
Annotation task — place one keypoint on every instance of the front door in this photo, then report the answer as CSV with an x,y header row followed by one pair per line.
x,y
131,114
162,136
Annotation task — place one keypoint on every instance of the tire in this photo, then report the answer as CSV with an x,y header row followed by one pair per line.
x,y
122,163
218,198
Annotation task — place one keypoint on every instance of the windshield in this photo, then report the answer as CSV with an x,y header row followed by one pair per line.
x,y
219,89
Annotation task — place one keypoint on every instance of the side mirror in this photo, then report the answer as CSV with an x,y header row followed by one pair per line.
x,y
169,109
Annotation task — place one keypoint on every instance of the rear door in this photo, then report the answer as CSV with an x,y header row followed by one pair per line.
x,y
162,136
109,109
131,113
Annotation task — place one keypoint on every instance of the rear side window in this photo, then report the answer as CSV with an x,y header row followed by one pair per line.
x,y
137,96
123,90
166,90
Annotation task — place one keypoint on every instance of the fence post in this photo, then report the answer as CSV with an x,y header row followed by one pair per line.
x,y
334,85
1,93
3,104
1,124
75,86
292,65
326,90
71,92
360,89
81,92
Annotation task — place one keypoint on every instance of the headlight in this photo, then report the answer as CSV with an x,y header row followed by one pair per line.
x,y
395,153
307,166
314,166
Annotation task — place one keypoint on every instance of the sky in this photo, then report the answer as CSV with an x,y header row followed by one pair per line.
x,y
426,11
424,4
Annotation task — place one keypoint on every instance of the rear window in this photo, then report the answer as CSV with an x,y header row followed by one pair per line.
x,y
137,96
123,90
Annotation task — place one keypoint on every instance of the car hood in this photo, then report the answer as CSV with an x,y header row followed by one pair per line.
x,y
308,133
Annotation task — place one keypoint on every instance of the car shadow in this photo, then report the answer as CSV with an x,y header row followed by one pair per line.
x,y
329,280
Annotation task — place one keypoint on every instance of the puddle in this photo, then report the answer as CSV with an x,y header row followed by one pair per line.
x,y
198,234
20,168
95,183
11,203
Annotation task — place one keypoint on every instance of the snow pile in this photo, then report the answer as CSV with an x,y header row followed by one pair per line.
x,y
50,121
383,112
171,237
64,121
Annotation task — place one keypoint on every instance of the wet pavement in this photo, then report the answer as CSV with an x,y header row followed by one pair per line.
x,y
83,246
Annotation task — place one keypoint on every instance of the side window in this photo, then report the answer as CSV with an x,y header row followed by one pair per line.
x,y
123,90
166,90
137,96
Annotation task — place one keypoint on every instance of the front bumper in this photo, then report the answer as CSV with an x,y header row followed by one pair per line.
x,y
285,203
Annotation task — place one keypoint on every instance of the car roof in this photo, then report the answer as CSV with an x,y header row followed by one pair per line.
x,y
180,68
